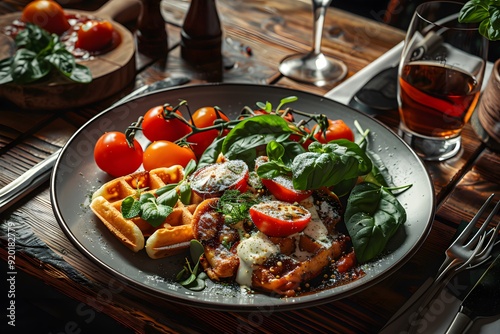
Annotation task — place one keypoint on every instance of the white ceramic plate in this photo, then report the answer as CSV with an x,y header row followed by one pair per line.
x,y
76,177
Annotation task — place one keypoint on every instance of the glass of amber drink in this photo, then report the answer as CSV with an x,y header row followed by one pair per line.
x,y
440,76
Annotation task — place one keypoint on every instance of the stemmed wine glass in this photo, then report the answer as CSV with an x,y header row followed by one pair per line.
x,y
314,67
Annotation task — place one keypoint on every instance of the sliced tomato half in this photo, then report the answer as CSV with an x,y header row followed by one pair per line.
x,y
279,219
282,188
212,180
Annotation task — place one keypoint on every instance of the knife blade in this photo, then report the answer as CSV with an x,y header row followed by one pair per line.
x,y
40,173
483,300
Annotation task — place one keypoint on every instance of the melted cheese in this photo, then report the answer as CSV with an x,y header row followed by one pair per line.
x,y
253,251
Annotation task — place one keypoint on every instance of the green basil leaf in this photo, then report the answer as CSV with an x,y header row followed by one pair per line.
x,y
169,198
185,191
33,38
275,150
329,164
379,174
190,168
211,153
196,250
63,61
130,208
26,67
270,170
155,213
372,216
474,11
5,70
241,142
165,188
81,74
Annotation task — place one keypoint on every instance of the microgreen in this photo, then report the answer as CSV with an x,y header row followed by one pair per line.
x,y
190,276
235,205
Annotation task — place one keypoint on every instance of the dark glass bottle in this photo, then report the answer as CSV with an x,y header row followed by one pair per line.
x,y
152,38
201,39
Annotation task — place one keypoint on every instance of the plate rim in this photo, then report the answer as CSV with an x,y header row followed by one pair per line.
x,y
144,288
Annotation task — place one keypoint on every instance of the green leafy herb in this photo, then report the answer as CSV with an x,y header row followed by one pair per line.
x,y
171,193
147,207
243,140
268,107
39,53
484,12
372,216
189,276
329,164
235,205
275,166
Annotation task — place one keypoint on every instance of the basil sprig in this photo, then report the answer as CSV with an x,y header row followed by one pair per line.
x,y
484,12
372,216
248,135
38,54
154,209
328,164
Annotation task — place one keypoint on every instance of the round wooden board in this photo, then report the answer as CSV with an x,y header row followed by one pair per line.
x,y
111,72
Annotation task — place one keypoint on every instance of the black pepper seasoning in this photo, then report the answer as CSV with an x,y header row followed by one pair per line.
x,y
201,39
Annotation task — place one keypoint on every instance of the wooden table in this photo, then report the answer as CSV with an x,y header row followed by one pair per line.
x,y
266,27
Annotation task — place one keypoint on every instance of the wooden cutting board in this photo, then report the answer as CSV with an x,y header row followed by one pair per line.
x,y
111,72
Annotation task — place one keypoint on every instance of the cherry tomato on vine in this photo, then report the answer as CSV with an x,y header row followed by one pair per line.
x,y
279,219
203,118
46,14
113,155
94,35
164,153
156,127
337,129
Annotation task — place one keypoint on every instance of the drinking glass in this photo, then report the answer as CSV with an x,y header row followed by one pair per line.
x,y
314,67
440,76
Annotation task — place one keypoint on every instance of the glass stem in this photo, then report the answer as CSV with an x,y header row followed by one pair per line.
x,y
319,11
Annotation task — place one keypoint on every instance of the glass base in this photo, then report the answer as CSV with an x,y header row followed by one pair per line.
x,y
429,148
316,69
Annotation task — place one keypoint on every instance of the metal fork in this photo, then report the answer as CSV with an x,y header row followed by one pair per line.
x,y
463,254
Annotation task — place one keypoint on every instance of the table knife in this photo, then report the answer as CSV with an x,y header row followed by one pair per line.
x,y
40,173
483,300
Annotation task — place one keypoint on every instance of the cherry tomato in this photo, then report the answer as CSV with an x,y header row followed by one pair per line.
x,y
164,153
279,219
46,14
94,35
346,262
282,186
202,118
156,127
113,155
212,180
337,129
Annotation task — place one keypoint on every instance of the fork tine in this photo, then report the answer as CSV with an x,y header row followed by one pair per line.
x,y
485,224
467,230
491,242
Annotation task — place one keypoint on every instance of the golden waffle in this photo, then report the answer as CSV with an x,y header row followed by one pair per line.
x,y
172,236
